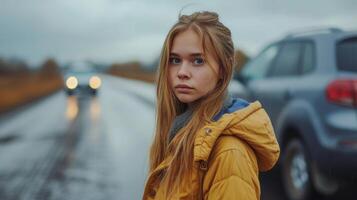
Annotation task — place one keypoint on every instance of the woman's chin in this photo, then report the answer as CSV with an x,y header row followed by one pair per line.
x,y
185,98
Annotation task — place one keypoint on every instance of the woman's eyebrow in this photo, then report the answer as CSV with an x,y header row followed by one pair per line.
x,y
192,54
195,54
174,54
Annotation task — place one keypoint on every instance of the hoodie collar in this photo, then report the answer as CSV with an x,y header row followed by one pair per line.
x,y
246,121
181,120
231,105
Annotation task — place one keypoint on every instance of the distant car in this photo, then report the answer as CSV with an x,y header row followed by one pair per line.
x,y
307,82
79,78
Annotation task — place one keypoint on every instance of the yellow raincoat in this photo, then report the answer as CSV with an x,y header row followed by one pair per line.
x,y
228,155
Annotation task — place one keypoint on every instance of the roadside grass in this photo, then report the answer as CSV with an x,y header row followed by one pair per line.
x,y
20,88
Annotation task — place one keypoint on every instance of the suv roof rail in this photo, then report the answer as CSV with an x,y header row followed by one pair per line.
x,y
313,31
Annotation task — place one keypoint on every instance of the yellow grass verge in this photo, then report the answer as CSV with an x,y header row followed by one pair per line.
x,y
134,74
17,90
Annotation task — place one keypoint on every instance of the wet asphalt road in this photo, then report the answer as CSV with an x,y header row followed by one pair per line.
x,y
85,147
76,148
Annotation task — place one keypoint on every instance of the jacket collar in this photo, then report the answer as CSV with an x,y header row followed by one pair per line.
x,y
248,122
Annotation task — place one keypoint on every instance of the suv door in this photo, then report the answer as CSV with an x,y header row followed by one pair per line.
x,y
277,89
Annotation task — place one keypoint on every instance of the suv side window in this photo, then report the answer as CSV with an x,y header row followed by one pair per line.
x,y
258,67
308,60
287,61
346,55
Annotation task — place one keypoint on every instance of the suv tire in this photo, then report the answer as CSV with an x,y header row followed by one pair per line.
x,y
296,172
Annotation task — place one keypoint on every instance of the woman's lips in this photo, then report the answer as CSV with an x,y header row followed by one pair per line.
x,y
183,89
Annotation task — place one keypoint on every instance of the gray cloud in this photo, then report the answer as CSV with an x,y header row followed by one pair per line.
x,y
124,30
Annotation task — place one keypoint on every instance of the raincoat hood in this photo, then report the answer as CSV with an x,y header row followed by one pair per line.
x,y
248,122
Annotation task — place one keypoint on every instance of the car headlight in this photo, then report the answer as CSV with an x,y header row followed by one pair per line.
x,y
71,82
95,82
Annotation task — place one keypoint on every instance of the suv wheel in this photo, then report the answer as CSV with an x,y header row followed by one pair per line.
x,y
296,171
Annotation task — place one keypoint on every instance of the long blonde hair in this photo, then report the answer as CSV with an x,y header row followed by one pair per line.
x,y
216,40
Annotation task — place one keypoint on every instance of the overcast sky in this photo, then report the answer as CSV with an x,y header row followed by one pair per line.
x,y
123,30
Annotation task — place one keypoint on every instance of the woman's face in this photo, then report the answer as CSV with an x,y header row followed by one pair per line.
x,y
188,67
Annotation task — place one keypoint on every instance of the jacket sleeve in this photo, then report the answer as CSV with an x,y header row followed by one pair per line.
x,y
231,176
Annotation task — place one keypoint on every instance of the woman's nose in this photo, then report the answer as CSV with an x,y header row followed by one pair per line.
x,y
183,71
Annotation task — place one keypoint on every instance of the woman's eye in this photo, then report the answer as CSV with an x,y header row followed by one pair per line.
x,y
174,61
198,61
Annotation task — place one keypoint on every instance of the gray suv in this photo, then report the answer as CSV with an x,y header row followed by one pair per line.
x,y
307,82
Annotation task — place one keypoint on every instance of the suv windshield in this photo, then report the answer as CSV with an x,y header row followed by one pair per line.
x,y
347,55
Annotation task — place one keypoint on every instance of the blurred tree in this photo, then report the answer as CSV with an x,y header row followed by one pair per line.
x,y
49,67
132,70
2,66
129,66
13,65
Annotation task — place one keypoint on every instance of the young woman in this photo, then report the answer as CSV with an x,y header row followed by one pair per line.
x,y
207,145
